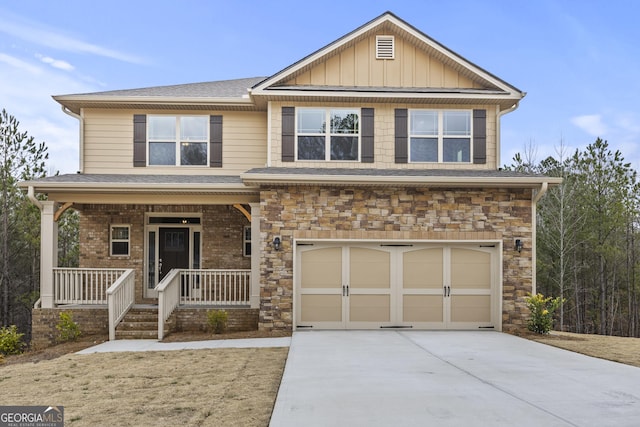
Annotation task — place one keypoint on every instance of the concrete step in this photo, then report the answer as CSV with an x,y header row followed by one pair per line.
x,y
140,317
139,323
141,326
136,335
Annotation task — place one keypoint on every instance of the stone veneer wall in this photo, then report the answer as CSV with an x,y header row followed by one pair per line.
x,y
222,234
313,212
92,321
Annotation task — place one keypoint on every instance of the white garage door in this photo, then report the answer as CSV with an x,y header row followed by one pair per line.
x,y
423,286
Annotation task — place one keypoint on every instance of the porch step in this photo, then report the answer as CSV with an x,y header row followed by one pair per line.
x,y
139,323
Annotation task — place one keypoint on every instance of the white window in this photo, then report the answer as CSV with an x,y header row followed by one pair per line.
x,y
440,136
246,241
178,140
328,134
119,239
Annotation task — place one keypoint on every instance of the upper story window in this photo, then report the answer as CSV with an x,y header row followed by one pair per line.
x,y
440,136
178,140
328,134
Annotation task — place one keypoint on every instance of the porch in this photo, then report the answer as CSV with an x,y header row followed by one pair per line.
x,y
113,291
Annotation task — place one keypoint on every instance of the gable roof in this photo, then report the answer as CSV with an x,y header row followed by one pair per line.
x,y
492,86
253,93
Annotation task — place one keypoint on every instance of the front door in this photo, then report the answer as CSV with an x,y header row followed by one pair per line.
x,y
173,251
168,248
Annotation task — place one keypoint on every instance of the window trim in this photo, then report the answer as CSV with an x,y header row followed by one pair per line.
x,y
112,240
177,141
441,137
246,241
328,134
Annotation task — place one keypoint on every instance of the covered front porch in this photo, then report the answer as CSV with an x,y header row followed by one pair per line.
x,y
197,246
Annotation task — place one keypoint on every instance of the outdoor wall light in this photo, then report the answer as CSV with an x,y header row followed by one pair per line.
x,y
518,245
276,243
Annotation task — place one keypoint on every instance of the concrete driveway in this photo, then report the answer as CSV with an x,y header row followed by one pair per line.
x,y
425,378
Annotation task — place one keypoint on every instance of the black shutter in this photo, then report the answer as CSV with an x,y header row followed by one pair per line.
x,y
139,140
215,141
480,136
401,136
367,135
288,134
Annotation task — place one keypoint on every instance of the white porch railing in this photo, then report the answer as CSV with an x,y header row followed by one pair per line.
x,y
203,288
168,298
83,286
215,287
120,298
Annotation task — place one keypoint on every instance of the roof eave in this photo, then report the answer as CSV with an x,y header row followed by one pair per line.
x,y
108,187
390,95
74,102
418,181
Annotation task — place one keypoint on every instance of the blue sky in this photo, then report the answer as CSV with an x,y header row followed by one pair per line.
x,y
578,61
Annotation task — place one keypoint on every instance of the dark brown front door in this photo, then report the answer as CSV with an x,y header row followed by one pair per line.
x,y
173,249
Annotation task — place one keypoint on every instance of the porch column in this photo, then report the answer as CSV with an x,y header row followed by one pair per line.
x,y
255,255
48,252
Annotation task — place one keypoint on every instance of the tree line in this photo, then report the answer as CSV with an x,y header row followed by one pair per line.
x,y
23,159
587,238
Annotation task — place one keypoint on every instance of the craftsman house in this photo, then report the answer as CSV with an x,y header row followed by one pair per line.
x,y
359,187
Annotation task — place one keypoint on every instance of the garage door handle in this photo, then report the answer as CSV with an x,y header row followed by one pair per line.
x,y
447,291
345,290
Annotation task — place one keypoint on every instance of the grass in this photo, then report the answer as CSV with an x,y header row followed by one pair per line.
x,y
229,387
617,349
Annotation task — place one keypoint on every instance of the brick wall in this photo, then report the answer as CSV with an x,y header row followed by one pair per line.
x,y
222,234
195,319
92,321
392,213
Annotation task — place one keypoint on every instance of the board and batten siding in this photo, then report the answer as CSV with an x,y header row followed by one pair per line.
x,y
357,66
383,138
108,143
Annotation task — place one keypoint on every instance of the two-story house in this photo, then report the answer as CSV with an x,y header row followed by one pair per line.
x,y
359,187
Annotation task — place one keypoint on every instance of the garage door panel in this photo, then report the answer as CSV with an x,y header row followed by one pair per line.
x,y
471,308
369,268
470,269
422,269
321,308
369,308
321,268
422,308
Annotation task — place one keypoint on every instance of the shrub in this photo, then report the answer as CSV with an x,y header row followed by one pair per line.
x,y
218,320
11,340
69,330
541,320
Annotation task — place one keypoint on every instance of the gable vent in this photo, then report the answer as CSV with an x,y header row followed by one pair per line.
x,y
385,47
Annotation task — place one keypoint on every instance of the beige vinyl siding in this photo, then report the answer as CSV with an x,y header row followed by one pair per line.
x,y
357,65
108,143
384,143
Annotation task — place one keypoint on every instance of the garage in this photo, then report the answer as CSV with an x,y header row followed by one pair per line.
x,y
373,285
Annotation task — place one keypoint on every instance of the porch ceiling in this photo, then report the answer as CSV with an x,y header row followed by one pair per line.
x,y
157,189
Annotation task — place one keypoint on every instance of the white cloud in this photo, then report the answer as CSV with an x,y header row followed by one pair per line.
x,y
19,64
56,63
591,124
53,38
26,95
